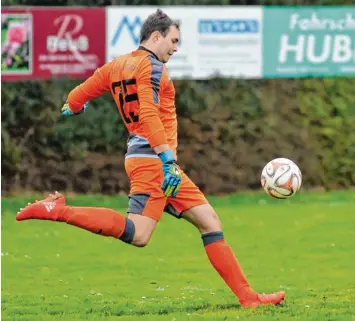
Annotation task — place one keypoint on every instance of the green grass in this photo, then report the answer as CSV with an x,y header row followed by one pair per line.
x,y
52,271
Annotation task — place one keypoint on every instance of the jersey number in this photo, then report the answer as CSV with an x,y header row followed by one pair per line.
x,y
126,98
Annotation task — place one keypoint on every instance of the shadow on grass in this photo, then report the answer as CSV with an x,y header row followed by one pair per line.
x,y
169,310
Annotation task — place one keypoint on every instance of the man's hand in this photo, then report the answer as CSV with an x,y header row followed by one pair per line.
x,y
172,174
66,111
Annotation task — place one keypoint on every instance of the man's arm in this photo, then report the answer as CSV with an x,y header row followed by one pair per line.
x,y
161,148
148,86
93,87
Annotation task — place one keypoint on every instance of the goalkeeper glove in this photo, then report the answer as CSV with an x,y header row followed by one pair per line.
x,y
66,111
172,174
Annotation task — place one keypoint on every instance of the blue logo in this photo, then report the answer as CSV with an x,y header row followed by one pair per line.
x,y
208,26
133,29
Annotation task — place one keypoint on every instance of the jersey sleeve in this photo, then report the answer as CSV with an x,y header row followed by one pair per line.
x,y
93,87
148,85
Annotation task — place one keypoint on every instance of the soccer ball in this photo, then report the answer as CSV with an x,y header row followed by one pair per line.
x,y
281,178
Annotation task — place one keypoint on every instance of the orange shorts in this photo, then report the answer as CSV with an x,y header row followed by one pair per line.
x,y
146,196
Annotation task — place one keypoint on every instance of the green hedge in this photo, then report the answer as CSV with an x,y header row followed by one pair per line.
x,y
228,130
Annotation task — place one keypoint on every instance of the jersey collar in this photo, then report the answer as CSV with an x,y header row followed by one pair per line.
x,y
145,49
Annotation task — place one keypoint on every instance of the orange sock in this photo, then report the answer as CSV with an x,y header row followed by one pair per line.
x,y
103,221
226,264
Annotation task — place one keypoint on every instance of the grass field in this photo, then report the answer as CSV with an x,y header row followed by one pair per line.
x,y
305,246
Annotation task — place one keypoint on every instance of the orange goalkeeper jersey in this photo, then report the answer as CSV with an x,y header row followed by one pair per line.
x,y
144,95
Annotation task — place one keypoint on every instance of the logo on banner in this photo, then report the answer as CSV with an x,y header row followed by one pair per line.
x,y
230,46
228,26
318,40
40,43
309,42
132,26
68,37
16,44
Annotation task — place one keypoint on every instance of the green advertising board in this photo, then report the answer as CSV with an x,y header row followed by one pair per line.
x,y
308,41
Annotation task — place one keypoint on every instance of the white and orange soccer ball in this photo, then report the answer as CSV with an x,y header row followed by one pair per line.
x,y
281,178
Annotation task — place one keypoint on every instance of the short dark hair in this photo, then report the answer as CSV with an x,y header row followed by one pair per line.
x,y
157,21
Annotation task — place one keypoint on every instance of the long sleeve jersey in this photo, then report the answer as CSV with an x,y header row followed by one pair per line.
x,y
144,95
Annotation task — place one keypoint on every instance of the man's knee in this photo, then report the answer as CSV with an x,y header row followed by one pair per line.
x,y
141,241
204,218
144,228
211,224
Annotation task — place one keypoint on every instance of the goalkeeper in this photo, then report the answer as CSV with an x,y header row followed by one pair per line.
x,y
145,98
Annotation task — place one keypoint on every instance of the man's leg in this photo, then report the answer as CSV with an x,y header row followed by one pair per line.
x,y
146,205
134,229
223,259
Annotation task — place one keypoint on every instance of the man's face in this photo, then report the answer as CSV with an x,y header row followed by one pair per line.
x,y
168,45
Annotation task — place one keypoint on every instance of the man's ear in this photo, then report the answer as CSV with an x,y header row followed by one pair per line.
x,y
156,36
